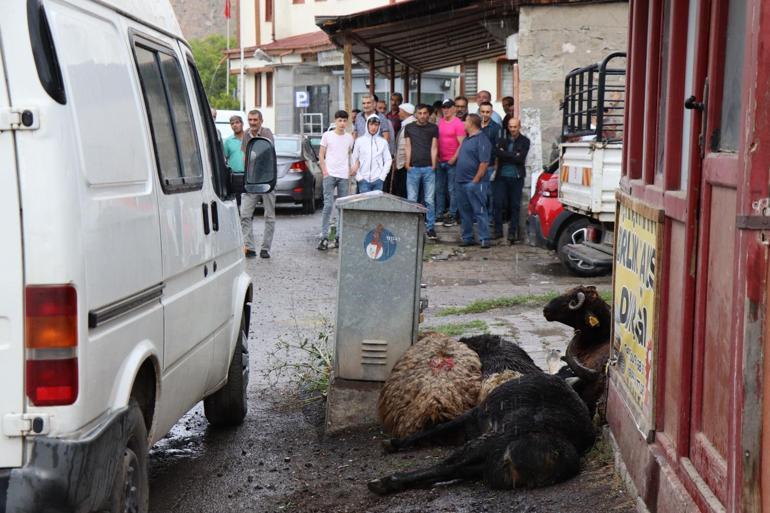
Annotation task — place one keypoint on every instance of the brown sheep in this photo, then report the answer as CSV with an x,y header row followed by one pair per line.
x,y
436,380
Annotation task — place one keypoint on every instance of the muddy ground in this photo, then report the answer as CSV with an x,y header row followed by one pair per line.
x,y
279,459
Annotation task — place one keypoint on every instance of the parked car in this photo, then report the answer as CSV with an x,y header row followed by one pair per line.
x,y
125,299
551,226
300,179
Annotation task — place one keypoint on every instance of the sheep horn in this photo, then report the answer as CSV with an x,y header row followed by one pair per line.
x,y
581,297
580,370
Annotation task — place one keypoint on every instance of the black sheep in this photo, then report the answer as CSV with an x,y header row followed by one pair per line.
x,y
498,354
529,432
587,354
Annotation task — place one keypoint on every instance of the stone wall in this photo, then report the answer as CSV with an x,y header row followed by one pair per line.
x,y
200,18
553,40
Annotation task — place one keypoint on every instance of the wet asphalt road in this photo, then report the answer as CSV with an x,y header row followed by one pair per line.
x,y
278,460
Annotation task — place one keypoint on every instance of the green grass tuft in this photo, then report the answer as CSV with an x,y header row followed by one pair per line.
x,y
459,328
484,305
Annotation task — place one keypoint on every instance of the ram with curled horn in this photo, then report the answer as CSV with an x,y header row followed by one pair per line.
x,y
583,309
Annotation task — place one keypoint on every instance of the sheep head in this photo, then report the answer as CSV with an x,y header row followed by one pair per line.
x,y
581,308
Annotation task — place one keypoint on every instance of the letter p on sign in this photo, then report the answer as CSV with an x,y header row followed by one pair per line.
x,y
301,99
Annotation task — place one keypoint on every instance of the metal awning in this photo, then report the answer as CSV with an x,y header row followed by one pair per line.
x,y
425,35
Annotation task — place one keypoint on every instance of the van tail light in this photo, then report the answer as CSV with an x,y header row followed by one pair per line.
x,y
51,339
298,167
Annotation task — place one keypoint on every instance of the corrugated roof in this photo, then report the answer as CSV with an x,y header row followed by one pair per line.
x,y
430,34
311,42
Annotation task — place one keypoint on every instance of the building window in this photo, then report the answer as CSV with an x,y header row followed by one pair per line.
x,y
269,88
269,10
469,83
258,90
505,79
298,1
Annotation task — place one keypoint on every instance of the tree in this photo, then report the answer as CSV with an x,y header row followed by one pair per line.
x,y
212,66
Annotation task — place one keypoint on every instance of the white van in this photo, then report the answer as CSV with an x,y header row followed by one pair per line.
x,y
124,296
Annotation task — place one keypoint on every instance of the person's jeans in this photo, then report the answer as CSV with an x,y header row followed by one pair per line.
x,y
445,190
508,197
330,182
248,204
364,186
427,177
472,203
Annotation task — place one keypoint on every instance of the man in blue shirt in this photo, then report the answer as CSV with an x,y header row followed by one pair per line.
x,y
472,182
492,130
232,144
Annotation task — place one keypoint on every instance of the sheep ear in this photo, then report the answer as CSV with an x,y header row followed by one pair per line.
x,y
591,319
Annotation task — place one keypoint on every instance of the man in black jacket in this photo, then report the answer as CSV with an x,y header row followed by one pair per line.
x,y
511,154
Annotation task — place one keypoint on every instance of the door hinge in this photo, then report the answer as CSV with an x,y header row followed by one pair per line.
x,y
19,119
759,220
26,424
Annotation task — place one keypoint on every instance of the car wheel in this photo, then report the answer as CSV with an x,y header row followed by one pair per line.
x,y
228,405
130,485
575,233
308,205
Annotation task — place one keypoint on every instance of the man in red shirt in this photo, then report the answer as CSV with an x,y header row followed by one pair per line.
x,y
451,132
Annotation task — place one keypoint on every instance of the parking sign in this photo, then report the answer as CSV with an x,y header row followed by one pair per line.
x,y
301,99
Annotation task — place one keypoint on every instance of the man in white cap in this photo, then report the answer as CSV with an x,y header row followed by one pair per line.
x,y
397,184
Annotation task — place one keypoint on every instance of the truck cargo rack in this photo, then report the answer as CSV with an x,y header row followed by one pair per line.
x,y
594,101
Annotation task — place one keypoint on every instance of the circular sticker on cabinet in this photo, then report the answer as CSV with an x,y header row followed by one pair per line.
x,y
380,244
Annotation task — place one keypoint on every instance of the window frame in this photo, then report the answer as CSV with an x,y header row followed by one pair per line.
x,y
463,81
268,89
182,183
258,90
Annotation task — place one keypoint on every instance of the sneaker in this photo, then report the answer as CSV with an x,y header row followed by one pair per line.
x,y
323,245
466,243
432,234
264,254
336,242
251,254
448,222
485,244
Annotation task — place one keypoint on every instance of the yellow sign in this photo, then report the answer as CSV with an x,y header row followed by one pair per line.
x,y
636,271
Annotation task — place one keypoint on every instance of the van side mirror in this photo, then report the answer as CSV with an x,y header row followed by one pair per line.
x,y
261,169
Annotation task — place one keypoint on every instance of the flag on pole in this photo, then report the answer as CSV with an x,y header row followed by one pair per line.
x,y
227,9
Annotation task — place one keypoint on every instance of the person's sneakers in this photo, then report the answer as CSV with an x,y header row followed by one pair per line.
x,y
466,243
449,221
497,235
485,244
336,242
432,234
264,254
323,245
251,254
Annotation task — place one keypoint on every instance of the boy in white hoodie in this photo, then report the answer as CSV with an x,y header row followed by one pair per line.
x,y
371,157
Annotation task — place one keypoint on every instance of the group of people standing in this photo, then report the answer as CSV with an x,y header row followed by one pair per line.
x,y
466,167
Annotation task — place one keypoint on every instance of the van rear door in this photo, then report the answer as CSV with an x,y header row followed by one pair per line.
x,y
11,291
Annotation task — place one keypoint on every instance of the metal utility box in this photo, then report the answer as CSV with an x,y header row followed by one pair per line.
x,y
378,291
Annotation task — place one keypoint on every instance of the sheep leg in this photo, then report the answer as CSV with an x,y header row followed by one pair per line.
x,y
468,462
465,423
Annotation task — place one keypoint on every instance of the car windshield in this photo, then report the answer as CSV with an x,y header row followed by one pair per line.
x,y
286,146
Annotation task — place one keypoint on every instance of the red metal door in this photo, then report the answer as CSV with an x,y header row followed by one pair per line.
x,y
714,362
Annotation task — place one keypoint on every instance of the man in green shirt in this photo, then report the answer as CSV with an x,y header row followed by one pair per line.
x,y
233,151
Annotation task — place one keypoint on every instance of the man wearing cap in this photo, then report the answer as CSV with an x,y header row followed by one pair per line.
x,y
473,182
451,133
398,177
359,127
421,158
371,157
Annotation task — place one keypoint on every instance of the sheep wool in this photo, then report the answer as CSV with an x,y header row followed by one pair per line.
x,y
436,379
495,380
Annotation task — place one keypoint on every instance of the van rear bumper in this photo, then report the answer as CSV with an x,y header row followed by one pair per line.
x,y
65,475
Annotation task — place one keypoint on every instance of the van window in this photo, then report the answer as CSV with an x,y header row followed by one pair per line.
x,y
216,151
170,116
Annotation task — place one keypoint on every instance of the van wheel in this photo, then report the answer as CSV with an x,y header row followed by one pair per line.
x,y
308,205
228,405
130,486
575,233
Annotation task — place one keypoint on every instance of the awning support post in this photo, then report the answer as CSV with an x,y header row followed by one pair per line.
x,y
406,83
371,70
392,75
419,87
348,61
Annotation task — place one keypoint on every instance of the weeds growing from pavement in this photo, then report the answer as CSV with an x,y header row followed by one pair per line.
x,y
459,328
484,305
303,360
